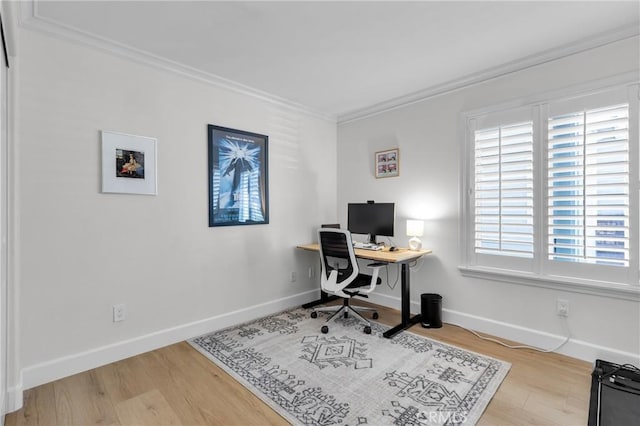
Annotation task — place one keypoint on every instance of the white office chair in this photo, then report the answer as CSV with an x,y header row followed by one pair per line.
x,y
340,275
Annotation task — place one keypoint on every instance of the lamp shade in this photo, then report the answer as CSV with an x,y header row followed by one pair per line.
x,y
415,228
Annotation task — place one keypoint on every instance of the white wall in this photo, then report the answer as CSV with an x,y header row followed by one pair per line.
x,y
79,251
4,132
76,252
427,134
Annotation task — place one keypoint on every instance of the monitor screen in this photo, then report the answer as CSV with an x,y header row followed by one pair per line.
x,y
371,218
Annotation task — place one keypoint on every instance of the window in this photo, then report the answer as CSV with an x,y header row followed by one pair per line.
x,y
588,186
551,192
504,190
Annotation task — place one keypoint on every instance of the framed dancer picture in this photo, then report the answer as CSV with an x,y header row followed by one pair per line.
x,y
128,164
238,177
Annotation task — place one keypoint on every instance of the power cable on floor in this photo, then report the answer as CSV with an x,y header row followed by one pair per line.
x,y
490,339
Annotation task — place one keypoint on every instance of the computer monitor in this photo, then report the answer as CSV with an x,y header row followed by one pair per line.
x,y
371,218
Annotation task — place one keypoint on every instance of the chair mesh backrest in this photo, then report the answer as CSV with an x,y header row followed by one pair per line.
x,y
335,251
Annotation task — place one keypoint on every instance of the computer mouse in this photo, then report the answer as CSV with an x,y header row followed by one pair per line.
x,y
393,248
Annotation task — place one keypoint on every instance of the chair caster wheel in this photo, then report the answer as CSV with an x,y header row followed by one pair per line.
x,y
324,329
375,315
314,314
367,329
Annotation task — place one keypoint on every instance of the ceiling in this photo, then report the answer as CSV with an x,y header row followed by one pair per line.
x,y
338,58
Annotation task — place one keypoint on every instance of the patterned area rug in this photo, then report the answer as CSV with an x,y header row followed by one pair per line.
x,y
347,377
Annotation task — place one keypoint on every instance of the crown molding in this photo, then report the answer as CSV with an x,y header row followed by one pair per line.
x,y
31,20
491,73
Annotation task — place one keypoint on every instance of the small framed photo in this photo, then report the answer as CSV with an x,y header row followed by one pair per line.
x,y
128,164
387,163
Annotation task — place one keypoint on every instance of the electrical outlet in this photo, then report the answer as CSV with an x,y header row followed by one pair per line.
x,y
562,308
292,277
119,312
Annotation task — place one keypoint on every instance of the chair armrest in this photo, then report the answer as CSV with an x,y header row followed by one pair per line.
x,y
374,277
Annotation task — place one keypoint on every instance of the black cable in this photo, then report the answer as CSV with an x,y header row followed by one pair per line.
x,y
4,43
397,277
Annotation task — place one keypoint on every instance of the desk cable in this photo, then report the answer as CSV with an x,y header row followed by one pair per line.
x,y
393,243
416,264
397,276
490,339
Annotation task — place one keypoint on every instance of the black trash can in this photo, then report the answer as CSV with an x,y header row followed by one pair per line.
x,y
431,310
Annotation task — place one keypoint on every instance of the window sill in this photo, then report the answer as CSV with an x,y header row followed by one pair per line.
x,y
597,288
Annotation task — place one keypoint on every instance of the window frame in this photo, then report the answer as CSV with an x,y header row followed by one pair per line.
x,y
490,120
540,271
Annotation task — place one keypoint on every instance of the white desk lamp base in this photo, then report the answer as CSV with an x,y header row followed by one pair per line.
x,y
415,243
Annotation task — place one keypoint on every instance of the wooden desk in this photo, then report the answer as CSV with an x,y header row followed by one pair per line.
x,y
402,257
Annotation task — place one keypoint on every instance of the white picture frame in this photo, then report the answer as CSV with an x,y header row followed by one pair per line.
x,y
128,164
387,163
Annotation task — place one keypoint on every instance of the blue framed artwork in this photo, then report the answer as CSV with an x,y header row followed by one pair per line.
x,y
238,177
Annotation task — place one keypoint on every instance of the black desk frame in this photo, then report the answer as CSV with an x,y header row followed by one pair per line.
x,y
407,320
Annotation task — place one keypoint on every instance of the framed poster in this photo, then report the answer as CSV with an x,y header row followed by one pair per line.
x,y
238,177
128,164
387,163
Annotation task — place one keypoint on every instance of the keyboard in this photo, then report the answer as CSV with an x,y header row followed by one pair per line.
x,y
367,246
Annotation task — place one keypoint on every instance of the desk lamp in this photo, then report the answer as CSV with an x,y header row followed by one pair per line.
x,y
415,229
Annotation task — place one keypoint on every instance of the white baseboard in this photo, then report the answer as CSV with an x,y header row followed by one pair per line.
x,y
66,366
574,348
13,400
388,301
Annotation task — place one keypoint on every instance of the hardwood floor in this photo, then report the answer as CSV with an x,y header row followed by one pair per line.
x,y
176,385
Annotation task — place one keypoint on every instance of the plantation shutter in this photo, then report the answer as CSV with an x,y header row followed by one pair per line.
x,y
503,190
588,186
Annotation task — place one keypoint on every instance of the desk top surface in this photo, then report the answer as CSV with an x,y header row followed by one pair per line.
x,y
401,255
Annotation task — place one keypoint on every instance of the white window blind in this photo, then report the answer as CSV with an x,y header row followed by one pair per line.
x,y
503,190
588,186
551,191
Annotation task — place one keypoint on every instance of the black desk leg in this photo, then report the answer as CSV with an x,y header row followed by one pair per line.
x,y
324,298
406,318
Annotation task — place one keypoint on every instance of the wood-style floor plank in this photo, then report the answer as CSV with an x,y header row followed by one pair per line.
x,y
81,399
128,378
39,408
176,385
147,409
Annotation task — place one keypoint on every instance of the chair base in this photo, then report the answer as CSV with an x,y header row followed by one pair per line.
x,y
346,309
